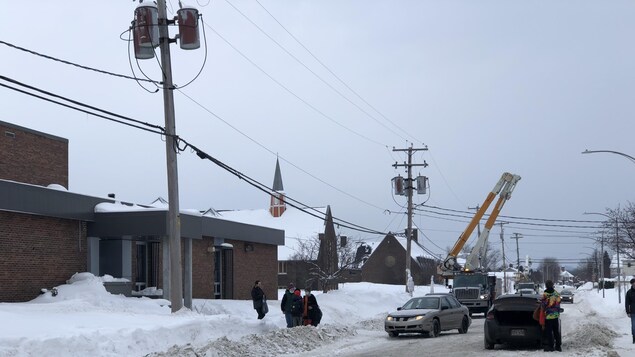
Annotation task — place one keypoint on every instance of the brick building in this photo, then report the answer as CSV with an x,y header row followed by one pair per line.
x,y
48,233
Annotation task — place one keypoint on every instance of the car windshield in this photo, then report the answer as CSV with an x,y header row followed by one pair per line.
x,y
566,292
461,281
422,303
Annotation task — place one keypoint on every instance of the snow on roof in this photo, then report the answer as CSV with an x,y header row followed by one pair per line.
x,y
297,225
118,206
566,274
416,250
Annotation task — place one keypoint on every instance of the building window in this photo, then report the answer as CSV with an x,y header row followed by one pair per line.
x,y
282,267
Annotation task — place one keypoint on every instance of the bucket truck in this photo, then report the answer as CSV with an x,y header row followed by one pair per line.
x,y
471,285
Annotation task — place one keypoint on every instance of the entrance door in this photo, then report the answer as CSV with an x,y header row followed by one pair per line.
x,y
147,265
223,274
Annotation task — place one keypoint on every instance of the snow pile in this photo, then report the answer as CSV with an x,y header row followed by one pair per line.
x,y
273,343
588,325
589,335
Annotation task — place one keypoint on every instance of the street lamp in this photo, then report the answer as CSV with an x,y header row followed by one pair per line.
x,y
610,152
632,159
617,246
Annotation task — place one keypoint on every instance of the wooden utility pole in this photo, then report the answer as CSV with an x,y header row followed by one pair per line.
x,y
409,188
504,261
174,219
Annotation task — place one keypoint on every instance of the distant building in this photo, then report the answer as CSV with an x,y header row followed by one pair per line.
x,y
386,264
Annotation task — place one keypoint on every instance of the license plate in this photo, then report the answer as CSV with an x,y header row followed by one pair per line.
x,y
518,332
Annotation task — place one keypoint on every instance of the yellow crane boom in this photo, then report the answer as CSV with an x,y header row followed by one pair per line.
x,y
505,186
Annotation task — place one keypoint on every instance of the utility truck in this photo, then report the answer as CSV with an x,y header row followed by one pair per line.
x,y
473,286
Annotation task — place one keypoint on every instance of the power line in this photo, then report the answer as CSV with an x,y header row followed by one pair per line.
x,y
277,155
199,152
335,75
203,155
521,223
306,67
305,102
75,64
517,217
139,124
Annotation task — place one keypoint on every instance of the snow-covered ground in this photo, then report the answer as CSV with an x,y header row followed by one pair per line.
x,y
83,319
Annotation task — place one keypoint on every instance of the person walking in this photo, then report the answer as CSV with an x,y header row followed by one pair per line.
x,y
285,304
296,308
260,302
629,301
312,312
550,302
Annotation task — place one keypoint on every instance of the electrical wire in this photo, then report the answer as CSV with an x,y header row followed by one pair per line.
x,y
300,206
71,63
343,223
310,70
521,223
274,153
335,75
525,218
138,124
302,100
138,66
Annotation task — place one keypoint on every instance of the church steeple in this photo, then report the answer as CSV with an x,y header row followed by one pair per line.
x,y
277,205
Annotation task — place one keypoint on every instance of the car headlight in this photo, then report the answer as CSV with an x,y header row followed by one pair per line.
x,y
419,317
389,318
484,296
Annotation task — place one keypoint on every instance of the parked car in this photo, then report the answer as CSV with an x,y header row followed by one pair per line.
x,y
510,320
566,296
429,315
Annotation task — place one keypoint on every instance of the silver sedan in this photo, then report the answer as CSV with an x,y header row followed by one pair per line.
x,y
429,315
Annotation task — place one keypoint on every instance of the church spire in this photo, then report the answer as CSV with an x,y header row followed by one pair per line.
x,y
277,205
277,178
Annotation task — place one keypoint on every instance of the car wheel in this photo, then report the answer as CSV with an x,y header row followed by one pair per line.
x,y
393,334
465,324
436,328
488,345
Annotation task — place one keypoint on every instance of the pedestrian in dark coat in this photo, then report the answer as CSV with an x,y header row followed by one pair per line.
x,y
312,313
285,304
258,296
296,308
630,306
550,302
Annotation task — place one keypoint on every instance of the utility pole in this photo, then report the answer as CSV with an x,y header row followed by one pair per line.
x,y
517,236
602,266
174,219
504,262
478,232
409,188
619,280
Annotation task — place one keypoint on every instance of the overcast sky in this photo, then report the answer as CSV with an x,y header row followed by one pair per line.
x,y
488,86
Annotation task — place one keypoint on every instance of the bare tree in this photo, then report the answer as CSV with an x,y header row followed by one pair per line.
x,y
586,269
307,249
619,230
307,252
550,268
